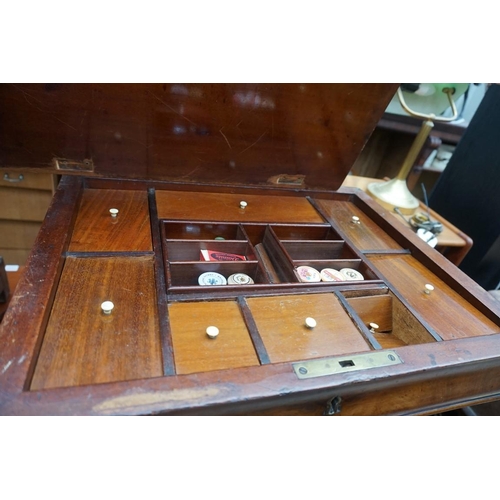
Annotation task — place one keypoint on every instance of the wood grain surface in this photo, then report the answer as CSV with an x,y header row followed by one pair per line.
x,y
195,352
367,235
233,133
84,346
226,207
96,231
444,309
281,324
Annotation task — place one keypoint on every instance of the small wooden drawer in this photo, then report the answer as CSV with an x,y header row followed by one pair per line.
x,y
17,234
26,180
24,204
97,231
226,207
366,235
447,312
84,346
281,322
195,351
396,326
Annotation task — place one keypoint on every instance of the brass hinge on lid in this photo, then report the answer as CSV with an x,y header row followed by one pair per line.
x,y
64,164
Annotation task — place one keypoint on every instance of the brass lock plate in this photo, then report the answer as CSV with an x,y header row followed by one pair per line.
x,y
342,364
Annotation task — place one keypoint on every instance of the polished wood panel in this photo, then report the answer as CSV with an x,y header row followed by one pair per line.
x,y
195,352
241,133
82,345
448,313
226,207
24,204
95,230
367,235
281,324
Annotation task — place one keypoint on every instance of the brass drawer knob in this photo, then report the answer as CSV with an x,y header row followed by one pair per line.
x,y
113,212
107,307
212,332
310,322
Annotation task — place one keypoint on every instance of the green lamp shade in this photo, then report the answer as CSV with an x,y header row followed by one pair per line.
x,y
432,99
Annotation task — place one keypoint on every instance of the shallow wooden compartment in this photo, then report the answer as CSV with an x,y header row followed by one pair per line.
x,y
281,323
397,326
288,254
195,352
81,345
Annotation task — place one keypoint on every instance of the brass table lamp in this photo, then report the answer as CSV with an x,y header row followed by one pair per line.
x,y
395,193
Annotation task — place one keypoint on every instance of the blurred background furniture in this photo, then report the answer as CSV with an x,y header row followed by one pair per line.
x,y
468,191
24,199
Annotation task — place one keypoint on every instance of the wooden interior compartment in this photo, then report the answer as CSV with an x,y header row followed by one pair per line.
x,y
96,231
397,326
175,230
189,250
280,321
305,232
82,345
367,235
445,310
318,250
195,352
189,205
186,274
285,265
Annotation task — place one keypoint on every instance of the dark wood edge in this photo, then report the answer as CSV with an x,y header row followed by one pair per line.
x,y
172,185
161,287
257,341
268,290
23,326
354,316
96,255
217,393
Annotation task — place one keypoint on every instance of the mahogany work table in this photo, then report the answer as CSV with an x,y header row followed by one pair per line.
x,y
154,174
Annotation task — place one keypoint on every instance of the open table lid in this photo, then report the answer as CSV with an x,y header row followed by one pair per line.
x,y
288,135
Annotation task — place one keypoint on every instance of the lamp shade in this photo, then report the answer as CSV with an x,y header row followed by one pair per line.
x,y
428,99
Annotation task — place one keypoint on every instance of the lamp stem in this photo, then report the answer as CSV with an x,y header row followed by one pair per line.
x,y
415,149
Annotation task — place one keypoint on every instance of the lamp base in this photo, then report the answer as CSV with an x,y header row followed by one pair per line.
x,y
394,193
